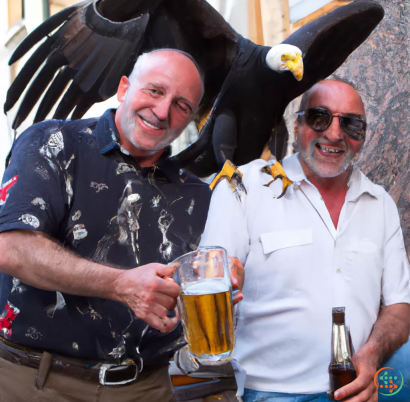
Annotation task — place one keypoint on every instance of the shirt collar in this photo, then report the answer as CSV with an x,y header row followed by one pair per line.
x,y
358,183
107,134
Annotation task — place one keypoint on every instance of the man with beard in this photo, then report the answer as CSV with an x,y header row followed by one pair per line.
x,y
334,240
83,203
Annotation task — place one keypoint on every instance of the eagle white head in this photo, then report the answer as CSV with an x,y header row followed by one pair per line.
x,y
284,57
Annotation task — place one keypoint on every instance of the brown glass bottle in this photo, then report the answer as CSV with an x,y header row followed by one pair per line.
x,y
341,369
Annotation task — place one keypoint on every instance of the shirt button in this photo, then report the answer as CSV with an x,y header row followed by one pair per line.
x,y
338,271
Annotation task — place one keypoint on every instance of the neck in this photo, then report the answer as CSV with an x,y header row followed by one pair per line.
x,y
332,189
148,160
143,157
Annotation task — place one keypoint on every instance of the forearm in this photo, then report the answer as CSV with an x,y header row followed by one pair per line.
x,y
390,331
40,262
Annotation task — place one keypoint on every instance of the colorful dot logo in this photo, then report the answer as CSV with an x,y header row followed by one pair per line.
x,y
388,381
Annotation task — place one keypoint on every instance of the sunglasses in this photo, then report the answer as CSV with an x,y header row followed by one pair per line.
x,y
320,119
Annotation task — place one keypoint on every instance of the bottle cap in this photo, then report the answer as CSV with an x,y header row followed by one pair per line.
x,y
338,315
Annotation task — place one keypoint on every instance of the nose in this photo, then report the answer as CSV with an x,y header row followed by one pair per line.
x,y
334,132
162,109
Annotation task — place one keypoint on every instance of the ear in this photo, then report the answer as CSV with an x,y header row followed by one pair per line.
x,y
122,88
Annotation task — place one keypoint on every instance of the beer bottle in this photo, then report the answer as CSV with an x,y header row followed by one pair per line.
x,y
341,369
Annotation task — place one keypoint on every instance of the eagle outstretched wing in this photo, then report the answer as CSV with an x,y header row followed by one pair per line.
x,y
93,51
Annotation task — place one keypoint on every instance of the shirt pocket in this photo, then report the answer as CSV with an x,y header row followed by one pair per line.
x,y
282,239
363,258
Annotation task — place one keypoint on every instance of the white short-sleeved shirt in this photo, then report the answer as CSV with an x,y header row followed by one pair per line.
x,y
298,266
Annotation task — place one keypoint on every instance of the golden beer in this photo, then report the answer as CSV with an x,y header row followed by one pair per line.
x,y
207,316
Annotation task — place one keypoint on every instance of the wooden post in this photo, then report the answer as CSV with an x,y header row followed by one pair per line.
x,y
255,21
286,19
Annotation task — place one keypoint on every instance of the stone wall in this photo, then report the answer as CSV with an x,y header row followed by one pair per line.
x,y
380,69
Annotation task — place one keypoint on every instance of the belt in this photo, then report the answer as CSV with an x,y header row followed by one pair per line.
x,y
105,374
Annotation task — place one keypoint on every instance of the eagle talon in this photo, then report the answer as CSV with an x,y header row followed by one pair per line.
x,y
230,172
277,172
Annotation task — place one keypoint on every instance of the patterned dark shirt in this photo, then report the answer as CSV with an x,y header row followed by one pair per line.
x,y
74,182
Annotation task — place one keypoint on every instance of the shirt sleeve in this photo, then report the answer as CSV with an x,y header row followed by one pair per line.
x,y
226,223
36,188
396,270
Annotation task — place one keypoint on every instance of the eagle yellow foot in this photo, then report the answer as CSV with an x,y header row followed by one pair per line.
x,y
275,169
230,172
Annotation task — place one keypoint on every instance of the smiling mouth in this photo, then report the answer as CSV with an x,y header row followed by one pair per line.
x,y
330,150
150,125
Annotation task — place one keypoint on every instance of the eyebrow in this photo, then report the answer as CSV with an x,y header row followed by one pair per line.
x,y
181,98
158,86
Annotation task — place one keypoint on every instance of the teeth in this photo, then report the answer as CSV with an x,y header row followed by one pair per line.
x,y
150,125
330,150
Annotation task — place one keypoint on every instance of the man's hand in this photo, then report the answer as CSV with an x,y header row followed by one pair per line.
x,y
237,278
362,389
390,331
150,292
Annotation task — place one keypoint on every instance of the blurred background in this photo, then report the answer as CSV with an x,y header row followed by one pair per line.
x,y
266,22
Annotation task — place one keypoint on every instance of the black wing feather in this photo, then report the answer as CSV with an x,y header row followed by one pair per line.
x,y
67,104
54,92
96,64
38,86
26,74
123,63
43,30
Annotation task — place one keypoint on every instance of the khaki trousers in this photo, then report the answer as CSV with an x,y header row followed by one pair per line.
x,y
17,384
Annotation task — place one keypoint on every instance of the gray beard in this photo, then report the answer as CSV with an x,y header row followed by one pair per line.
x,y
320,170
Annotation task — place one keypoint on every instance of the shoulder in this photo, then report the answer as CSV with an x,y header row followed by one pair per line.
x,y
252,177
52,138
83,126
252,172
374,189
39,130
45,129
379,193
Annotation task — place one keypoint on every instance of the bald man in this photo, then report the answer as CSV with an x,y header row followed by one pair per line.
x,y
83,204
334,240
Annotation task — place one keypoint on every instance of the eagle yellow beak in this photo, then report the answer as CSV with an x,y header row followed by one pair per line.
x,y
295,65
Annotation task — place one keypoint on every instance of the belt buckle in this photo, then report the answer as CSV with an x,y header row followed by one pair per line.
x,y
106,369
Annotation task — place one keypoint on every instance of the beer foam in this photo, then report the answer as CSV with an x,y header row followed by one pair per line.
x,y
206,287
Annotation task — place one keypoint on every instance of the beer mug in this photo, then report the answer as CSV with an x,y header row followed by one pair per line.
x,y
205,304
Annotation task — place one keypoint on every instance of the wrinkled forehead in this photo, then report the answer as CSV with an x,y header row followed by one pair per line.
x,y
337,97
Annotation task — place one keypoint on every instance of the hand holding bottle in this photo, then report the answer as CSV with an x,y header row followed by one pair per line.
x,y
362,389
